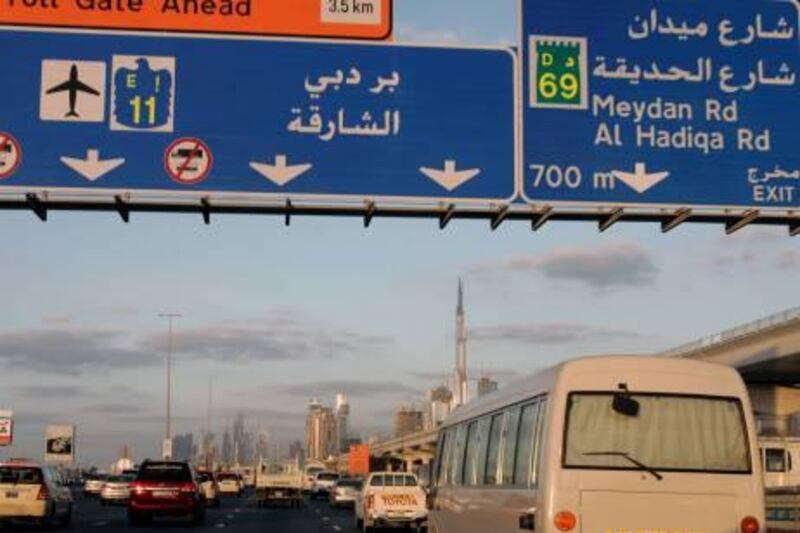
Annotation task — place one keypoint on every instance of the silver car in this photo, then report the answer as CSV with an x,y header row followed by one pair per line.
x,y
116,490
344,492
94,484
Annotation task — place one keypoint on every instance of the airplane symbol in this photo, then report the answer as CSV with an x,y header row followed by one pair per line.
x,y
640,180
73,85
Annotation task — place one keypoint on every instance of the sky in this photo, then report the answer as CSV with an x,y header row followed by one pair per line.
x,y
276,316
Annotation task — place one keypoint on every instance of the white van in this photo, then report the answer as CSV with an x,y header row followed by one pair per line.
x,y
607,444
779,460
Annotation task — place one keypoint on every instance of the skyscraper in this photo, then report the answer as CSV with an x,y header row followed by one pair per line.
x,y
486,385
342,417
320,432
460,396
408,420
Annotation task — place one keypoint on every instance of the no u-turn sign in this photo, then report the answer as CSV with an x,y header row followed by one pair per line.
x,y
10,155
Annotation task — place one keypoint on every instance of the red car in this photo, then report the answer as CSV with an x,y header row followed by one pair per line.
x,y
166,489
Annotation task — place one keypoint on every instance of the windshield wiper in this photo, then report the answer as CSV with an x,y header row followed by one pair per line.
x,y
627,456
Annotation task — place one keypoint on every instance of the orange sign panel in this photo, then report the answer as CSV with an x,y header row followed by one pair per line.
x,y
353,19
359,460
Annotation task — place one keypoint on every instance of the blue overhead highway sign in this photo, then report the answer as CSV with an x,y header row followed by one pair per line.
x,y
101,113
652,103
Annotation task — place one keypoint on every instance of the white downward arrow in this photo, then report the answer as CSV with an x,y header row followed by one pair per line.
x,y
640,180
450,178
92,168
280,173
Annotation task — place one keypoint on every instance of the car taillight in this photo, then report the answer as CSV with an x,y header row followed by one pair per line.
x,y
565,521
188,488
750,525
43,494
370,501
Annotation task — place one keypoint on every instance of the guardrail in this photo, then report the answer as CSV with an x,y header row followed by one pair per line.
x,y
752,328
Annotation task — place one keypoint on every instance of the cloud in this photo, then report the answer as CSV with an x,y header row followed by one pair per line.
x,y
555,333
70,351
353,389
279,340
788,260
114,408
51,391
619,264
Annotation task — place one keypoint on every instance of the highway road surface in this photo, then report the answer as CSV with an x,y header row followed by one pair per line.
x,y
234,515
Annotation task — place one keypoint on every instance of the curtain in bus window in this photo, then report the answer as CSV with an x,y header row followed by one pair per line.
x,y
471,454
510,446
493,453
447,459
669,432
457,459
527,427
538,443
483,438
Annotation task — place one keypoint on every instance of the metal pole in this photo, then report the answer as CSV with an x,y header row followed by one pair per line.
x,y
169,381
170,317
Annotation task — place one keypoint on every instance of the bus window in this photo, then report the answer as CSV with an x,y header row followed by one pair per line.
x,y
669,432
447,458
527,428
456,460
775,460
440,459
538,440
511,432
493,452
475,456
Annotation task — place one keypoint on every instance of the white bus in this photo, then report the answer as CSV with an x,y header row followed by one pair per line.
x,y
603,445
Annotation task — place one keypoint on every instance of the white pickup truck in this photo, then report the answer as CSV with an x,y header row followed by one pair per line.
x,y
279,482
391,500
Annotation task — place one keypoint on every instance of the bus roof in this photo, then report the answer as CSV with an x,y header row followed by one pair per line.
x,y
544,382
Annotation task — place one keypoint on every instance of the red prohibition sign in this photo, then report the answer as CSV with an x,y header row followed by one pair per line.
x,y
10,155
188,161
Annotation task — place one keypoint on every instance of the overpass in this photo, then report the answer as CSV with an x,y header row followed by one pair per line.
x,y
766,352
413,450
767,355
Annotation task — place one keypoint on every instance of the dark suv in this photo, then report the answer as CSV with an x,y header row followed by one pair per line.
x,y
166,489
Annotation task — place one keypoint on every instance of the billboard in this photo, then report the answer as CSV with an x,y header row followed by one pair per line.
x,y
60,444
359,460
6,428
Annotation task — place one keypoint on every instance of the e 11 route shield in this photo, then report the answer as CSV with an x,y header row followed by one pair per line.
x,y
680,103
269,119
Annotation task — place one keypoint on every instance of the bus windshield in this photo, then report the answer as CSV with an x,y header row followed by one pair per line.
x,y
663,433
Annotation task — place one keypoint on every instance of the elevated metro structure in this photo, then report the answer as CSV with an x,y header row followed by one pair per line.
x,y
767,355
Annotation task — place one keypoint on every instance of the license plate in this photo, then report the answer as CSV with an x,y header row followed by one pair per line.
x,y
279,494
164,494
12,494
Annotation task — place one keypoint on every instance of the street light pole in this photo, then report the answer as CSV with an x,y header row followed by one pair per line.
x,y
170,317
